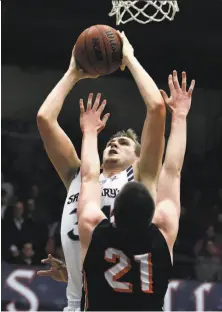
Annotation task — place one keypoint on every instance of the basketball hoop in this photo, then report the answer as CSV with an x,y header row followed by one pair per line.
x,y
144,12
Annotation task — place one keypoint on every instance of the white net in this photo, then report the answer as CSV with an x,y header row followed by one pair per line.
x,y
144,12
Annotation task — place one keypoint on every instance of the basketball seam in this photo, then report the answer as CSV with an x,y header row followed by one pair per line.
x,y
107,60
87,53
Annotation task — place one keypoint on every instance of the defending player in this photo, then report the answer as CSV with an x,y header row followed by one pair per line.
x,y
119,155
127,266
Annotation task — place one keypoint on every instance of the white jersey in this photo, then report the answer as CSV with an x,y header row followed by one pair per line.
x,y
110,187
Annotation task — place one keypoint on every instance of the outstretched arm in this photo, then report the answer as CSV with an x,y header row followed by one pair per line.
x,y
168,196
152,140
89,212
58,146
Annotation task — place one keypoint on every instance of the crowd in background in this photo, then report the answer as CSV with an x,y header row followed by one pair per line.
x,y
32,199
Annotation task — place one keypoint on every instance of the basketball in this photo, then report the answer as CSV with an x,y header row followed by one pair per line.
x,y
98,50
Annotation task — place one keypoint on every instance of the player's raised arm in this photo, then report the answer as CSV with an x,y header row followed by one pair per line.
x,y
168,195
58,146
152,140
89,213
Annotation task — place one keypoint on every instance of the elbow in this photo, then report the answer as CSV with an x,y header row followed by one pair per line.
x,y
41,117
158,108
173,170
43,120
42,114
43,124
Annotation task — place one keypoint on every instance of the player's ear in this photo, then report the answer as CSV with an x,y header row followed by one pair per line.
x,y
101,167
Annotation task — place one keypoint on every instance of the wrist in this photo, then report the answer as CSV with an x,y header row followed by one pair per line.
x,y
90,131
128,59
179,115
72,75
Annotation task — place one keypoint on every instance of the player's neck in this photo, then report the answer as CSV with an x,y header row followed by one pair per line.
x,y
109,170
108,173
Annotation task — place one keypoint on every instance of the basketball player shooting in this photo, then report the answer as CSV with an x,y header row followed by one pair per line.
x,y
127,264
179,104
123,159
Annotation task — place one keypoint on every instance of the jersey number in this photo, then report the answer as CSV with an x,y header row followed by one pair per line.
x,y
123,266
74,233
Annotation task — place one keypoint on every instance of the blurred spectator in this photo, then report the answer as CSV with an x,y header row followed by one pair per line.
x,y
208,262
54,242
5,210
34,192
8,187
27,255
39,229
30,207
54,231
15,231
37,205
218,226
218,238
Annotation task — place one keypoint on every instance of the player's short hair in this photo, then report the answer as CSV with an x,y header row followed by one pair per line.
x,y
131,134
133,208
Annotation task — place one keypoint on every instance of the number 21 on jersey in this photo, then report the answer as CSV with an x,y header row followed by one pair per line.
x,y
123,266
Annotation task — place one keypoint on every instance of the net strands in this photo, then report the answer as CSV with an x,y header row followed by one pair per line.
x,y
144,12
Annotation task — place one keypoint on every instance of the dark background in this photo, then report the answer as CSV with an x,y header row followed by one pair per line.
x,y
42,33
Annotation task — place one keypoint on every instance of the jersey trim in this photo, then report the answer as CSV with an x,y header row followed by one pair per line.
x,y
85,287
75,176
130,174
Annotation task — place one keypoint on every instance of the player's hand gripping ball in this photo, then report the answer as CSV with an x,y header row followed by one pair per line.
x,y
98,50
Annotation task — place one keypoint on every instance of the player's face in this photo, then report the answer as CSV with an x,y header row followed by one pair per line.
x,y
120,151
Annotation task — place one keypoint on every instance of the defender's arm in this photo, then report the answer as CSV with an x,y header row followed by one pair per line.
x,y
89,212
169,181
168,196
89,202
